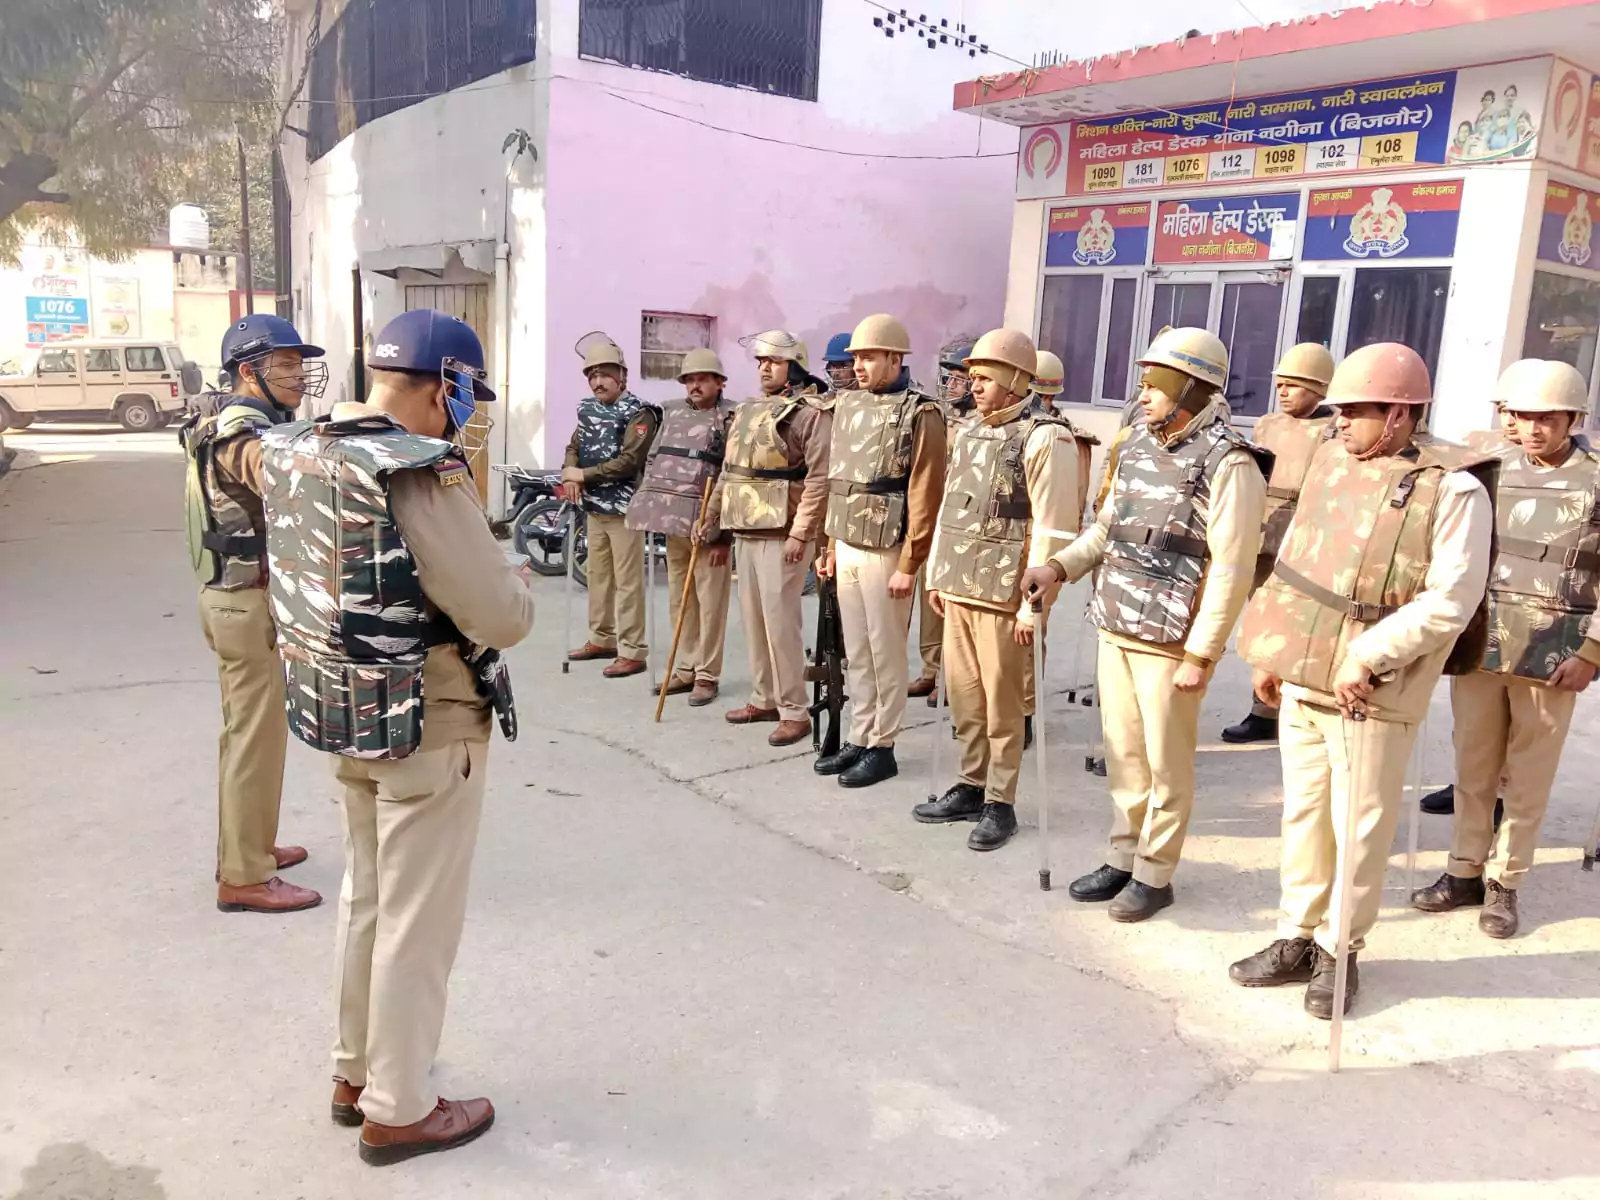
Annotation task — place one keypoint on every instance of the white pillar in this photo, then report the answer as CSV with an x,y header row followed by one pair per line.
x,y
1027,259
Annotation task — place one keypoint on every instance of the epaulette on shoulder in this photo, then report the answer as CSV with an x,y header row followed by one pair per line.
x,y
452,469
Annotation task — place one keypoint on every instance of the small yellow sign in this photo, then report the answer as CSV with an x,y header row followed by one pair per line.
x,y
1280,160
1186,168
1103,177
1388,150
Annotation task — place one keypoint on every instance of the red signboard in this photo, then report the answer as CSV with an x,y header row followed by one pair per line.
x,y
1228,229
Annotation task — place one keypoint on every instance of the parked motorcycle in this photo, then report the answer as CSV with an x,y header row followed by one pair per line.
x,y
538,524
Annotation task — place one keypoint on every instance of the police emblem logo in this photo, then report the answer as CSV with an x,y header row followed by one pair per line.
x,y
1378,227
1096,241
1576,232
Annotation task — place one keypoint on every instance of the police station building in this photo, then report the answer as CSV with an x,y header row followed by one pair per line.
x,y
1420,174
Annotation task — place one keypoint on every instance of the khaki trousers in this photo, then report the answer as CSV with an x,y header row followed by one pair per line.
x,y
255,731
930,630
984,670
410,829
616,586
1150,730
769,602
1317,745
1510,726
1258,709
876,626
705,623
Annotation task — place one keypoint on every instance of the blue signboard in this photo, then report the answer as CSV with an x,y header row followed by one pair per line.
x,y
66,310
1400,220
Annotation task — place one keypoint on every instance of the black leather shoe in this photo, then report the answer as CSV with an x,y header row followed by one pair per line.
x,y
1102,883
832,764
1499,916
874,765
1447,893
1027,733
1319,993
1099,768
996,824
1139,902
1287,960
1252,729
964,802
1442,802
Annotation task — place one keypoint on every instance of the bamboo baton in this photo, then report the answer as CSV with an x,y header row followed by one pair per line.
x,y
683,600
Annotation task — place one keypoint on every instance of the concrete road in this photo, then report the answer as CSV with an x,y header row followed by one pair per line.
x,y
693,969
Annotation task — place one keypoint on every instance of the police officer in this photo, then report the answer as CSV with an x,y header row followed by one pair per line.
x,y
772,495
1011,494
1293,433
955,399
1513,715
838,363
266,359
687,452
374,640
605,457
1176,542
1050,382
1380,573
885,481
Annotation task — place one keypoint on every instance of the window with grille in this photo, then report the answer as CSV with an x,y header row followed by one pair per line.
x,y
765,45
664,338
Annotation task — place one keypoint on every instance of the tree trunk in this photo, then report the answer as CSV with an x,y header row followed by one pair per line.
x,y
22,178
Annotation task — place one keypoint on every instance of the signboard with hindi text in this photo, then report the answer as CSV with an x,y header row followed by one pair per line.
x,y
1400,220
1089,235
1566,230
1230,229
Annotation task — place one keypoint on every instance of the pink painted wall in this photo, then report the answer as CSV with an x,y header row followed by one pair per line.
x,y
648,211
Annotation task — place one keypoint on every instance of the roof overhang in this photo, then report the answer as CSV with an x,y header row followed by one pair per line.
x,y
1391,38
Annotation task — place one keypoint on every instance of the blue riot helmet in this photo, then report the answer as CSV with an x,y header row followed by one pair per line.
x,y
954,384
252,338
428,342
839,363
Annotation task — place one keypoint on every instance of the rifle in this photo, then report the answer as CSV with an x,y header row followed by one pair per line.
x,y
827,674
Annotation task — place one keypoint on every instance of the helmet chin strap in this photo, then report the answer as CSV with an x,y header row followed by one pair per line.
x,y
1383,447
266,389
1180,405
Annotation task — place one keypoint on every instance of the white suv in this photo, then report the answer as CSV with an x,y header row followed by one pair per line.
x,y
143,385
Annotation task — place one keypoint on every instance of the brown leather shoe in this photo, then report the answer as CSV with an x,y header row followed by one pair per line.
x,y
589,651
789,732
284,856
750,715
676,687
623,667
345,1096
273,896
920,687
705,691
452,1123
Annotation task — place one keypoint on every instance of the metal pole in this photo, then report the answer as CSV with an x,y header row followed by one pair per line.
x,y
1347,882
1591,848
1418,777
358,321
246,265
566,594
1039,758
650,608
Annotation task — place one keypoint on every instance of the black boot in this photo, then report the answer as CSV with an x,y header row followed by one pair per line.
x,y
996,824
1447,893
1139,902
1252,729
873,766
839,760
1442,802
1319,994
1287,960
1099,768
1499,916
961,803
1102,883
1027,733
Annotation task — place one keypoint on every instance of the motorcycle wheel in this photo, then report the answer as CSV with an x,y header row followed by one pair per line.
x,y
536,530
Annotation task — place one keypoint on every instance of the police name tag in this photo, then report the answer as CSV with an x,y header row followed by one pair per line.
x,y
451,472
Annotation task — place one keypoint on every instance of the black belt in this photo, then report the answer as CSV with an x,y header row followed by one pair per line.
x,y
794,474
1158,539
1570,557
683,452
235,545
1354,609
892,485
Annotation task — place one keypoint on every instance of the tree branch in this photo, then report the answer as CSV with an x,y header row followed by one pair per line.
x,y
114,71
22,180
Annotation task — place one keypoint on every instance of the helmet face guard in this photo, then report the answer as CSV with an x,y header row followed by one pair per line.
x,y
310,376
469,426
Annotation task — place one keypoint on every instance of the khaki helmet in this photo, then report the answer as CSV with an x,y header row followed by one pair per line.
x,y
1532,385
599,350
697,361
1308,363
1197,353
880,332
1383,373
1048,377
776,343
1005,348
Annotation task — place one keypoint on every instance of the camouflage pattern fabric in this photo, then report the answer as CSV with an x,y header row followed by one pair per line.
x,y
353,623
1293,442
1490,441
1148,584
1357,551
600,432
986,519
1545,581
869,466
688,450
214,511
756,470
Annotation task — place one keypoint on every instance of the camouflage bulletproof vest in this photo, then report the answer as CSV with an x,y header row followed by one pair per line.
x,y
223,517
1490,441
1357,552
601,428
1148,584
1293,442
688,451
755,469
986,520
869,466
1545,580
354,626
